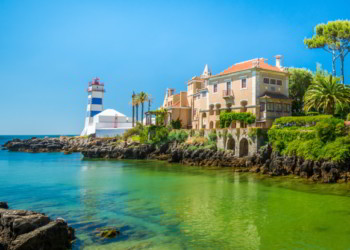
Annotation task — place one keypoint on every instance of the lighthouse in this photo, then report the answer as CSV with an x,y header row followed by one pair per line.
x,y
99,122
95,105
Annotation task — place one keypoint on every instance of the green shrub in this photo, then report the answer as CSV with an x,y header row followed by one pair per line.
x,y
338,150
135,138
279,146
300,120
228,117
161,135
348,118
132,131
329,129
192,133
312,113
179,136
211,146
192,148
176,124
212,136
309,150
314,138
201,132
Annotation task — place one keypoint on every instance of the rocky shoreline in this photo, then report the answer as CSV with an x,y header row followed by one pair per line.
x,y
265,162
23,230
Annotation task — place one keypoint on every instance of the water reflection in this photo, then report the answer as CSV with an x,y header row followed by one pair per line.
x,y
162,206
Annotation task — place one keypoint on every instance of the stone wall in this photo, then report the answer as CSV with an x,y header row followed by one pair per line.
x,y
239,141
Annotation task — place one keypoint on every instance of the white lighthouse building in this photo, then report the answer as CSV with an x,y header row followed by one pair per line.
x,y
99,122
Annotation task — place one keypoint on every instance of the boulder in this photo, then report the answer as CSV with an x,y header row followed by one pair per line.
x,y
109,233
22,230
4,205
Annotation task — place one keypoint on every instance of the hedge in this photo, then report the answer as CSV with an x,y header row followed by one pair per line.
x,y
300,120
228,117
325,138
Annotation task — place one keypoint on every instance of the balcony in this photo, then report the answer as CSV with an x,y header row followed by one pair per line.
x,y
227,93
97,90
96,83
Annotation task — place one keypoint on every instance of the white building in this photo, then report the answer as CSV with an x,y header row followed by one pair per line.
x,y
102,123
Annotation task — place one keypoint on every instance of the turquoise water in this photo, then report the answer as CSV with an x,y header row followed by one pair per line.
x,y
162,206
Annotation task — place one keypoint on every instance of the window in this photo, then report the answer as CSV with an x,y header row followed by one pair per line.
x,y
286,107
262,107
272,81
215,88
266,80
279,82
244,83
278,107
228,85
194,112
204,94
270,106
273,89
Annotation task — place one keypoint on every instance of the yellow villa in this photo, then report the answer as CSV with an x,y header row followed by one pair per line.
x,y
251,86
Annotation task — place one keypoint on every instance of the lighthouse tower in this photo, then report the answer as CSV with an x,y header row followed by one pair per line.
x,y
95,105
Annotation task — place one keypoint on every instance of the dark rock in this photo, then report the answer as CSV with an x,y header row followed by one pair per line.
x,y
4,205
22,229
109,233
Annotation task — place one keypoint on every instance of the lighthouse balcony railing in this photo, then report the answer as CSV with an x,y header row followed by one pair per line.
x,y
98,90
96,84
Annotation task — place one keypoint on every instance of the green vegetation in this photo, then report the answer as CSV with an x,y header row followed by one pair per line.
x,y
348,117
212,136
178,136
142,98
147,134
254,133
325,94
299,81
176,124
200,142
300,120
333,37
311,137
228,117
161,114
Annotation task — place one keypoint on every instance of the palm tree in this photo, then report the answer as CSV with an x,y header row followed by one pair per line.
x,y
137,103
325,93
143,97
133,103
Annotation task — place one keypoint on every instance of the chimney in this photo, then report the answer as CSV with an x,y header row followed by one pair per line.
x,y
279,61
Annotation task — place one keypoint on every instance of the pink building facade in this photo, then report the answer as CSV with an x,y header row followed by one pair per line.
x,y
251,86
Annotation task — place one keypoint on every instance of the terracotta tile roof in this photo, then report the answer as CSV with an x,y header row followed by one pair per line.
x,y
254,63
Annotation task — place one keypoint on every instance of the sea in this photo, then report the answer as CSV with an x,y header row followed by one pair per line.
x,y
157,205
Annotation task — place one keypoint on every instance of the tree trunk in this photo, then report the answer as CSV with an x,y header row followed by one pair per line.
x,y
142,112
137,113
342,68
334,66
133,115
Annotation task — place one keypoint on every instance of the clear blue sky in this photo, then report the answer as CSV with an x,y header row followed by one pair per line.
x,y
51,49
